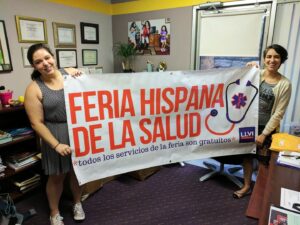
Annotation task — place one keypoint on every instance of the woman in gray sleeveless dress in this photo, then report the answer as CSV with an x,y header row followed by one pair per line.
x,y
45,107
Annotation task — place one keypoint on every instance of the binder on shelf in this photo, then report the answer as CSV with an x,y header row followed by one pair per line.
x,y
25,179
24,162
21,156
30,188
18,166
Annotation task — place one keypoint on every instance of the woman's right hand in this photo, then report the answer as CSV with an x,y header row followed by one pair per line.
x,y
252,63
260,139
63,149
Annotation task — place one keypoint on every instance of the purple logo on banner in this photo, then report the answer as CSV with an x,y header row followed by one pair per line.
x,y
247,134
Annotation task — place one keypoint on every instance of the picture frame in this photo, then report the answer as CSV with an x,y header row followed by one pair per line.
x,y
64,35
89,57
31,30
280,215
26,63
66,58
5,58
89,33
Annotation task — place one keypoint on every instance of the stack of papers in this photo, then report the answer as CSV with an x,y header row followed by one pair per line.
x,y
19,132
289,199
20,156
289,159
5,137
2,168
288,213
21,160
26,181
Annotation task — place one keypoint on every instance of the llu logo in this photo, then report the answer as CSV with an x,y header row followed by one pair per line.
x,y
247,134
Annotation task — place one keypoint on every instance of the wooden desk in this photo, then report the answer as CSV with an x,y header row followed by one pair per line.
x,y
276,177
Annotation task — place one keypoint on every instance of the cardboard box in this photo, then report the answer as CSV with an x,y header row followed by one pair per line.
x,y
144,173
95,185
92,186
88,188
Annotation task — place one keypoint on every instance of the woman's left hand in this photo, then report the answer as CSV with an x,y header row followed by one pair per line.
x,y
73,72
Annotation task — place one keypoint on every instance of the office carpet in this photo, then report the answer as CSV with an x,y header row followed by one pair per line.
x,y
172,196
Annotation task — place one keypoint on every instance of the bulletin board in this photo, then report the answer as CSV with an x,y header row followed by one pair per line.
x,y
230,36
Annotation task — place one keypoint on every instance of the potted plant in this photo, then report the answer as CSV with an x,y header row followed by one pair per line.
x,y
126,52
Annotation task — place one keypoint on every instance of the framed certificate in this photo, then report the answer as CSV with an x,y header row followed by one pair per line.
x,y
99,70
89,33
31,30
64,35
5,60
26,63
66,58
89,57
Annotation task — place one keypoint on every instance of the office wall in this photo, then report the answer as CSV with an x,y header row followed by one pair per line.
x,y
181,31
18,79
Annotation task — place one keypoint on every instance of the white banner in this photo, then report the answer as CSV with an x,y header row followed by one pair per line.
x,y
125,122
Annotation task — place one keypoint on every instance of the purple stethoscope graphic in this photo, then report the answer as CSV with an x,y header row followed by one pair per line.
x,y
238,100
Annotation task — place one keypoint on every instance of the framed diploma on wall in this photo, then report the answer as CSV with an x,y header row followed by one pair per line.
x,y
64,35
31,30
24,56
66,58
89,57
89,33
5,60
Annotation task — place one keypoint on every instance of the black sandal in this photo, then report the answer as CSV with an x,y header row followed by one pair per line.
x,y
239,194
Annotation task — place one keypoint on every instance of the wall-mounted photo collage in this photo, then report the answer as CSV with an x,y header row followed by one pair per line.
x,y
150,37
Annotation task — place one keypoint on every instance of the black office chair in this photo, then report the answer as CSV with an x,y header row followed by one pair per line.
x,y
222,170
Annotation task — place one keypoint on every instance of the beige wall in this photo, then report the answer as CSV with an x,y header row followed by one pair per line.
x,y
110,28
181,36
18,79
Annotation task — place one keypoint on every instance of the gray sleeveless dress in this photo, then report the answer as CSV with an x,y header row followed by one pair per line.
x,y
55,119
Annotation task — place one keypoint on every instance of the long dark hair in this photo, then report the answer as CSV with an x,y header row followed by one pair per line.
x,y
147,22
32,49
164,27
132,25
280,50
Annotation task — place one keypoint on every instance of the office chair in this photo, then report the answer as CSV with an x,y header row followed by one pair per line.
x,y
181,164
222,170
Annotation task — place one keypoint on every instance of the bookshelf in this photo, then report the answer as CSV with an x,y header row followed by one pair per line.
x,y
14,118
